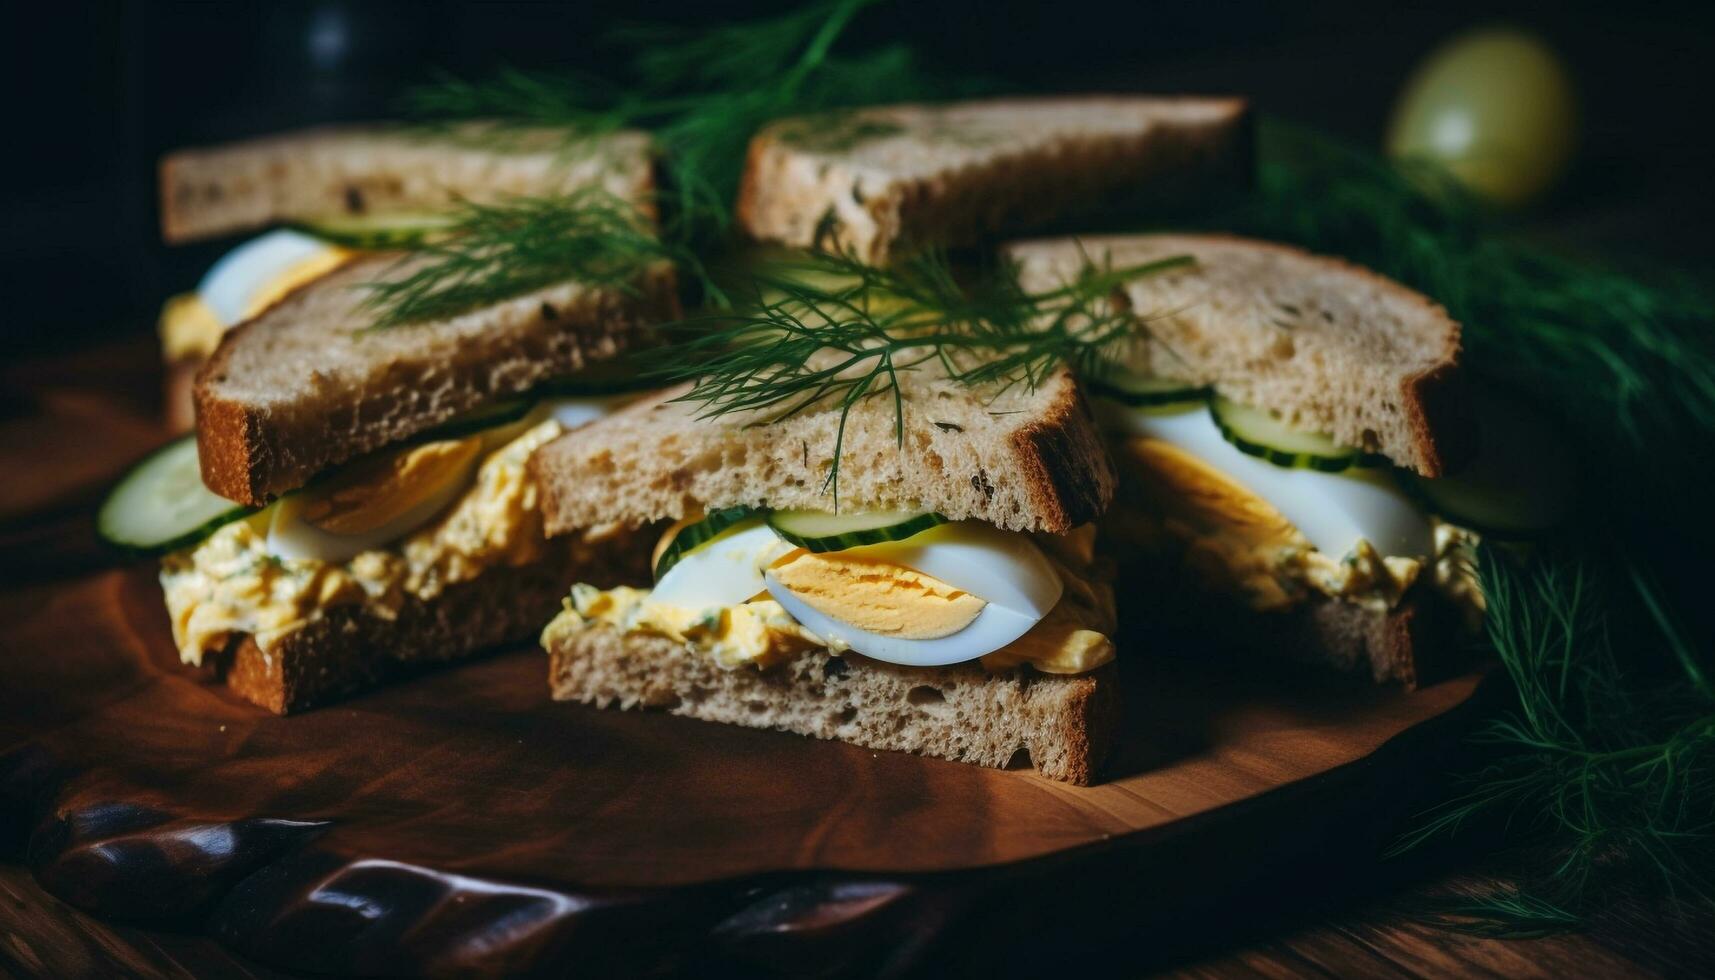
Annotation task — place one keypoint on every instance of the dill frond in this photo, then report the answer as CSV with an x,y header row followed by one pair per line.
x,y
493,252
830,330
1608,771
702,92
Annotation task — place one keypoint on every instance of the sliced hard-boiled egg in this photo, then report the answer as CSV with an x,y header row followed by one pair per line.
x,y
373,502
254,275
1332,510
724,571
913,597
246,281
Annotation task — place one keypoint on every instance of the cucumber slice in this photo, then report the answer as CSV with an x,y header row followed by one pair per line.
x,y
161,504
818,531
1143,391
1523,481
1260,433
379,231
694,536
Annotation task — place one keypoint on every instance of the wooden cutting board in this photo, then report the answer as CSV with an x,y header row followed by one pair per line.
x,y
461,821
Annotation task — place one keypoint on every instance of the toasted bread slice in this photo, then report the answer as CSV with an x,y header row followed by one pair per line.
x,y
310,383
348,170
1066,725
1024,460
1329,346
349,649
886,180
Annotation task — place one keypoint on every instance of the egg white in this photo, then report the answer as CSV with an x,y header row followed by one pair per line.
x,y
1332,510
724,571
292,537
1004,569
232,283
993,628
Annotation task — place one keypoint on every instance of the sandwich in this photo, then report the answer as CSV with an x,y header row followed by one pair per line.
x,y
943,597
909,569
353,500
1284,425
323,196
884,181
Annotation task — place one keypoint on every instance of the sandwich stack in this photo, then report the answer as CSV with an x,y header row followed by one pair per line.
x,y
927,564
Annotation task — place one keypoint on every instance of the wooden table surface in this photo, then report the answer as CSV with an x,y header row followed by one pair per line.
x,y
1348,918
1370,935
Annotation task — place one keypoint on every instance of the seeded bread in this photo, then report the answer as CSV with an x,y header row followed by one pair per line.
x,y
1067,725
1329,346
348,650
353,170
1021,460
885,180
309,383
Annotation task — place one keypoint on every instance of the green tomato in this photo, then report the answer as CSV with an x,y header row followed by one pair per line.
x,y
1495,108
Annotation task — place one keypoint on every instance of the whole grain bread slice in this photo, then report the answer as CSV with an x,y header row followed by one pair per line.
x,y
885,180
1067,725
310,383
1328,345
350,649
1021,459
352,170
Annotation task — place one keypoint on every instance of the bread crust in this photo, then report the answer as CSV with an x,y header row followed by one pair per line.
x,y
1438,405
1067,724
1070,474
348,650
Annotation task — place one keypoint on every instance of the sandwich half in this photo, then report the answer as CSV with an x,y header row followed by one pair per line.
x,y
951,606
354,502
1276,421
329,193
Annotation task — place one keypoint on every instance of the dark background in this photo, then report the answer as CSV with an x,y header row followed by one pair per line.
x,y
99,91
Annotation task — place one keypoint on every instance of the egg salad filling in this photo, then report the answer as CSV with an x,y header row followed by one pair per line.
x,y
952,593
1275,536
406,523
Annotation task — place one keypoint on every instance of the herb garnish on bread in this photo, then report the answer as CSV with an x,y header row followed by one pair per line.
x,y
952,606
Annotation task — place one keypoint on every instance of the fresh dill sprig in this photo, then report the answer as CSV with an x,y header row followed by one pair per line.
x,y
1610,771
829,330
701,91
493,252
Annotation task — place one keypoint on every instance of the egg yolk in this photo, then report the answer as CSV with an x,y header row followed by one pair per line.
x,y
878,597
374,492
1209,497
298,273
189,329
